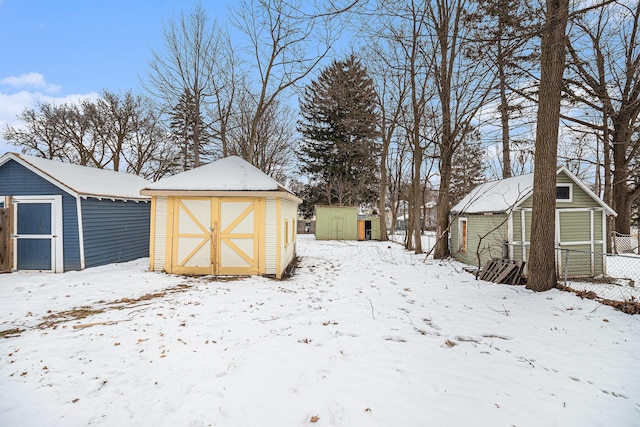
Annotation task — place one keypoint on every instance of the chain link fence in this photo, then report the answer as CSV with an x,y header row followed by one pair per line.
x,y
614,277
598,275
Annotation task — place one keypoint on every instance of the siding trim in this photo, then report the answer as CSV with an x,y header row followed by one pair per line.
x,y
80,232
57,228
605,238
510,234
592,236
278,239
523,235
168,256
262,246
152,232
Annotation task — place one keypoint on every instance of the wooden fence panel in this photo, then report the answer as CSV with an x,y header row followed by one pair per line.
x,y
5,240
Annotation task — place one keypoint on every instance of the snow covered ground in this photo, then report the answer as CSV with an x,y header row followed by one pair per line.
x,y
364,334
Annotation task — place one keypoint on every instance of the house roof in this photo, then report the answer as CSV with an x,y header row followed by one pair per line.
x,y
509,193
228,174
82,181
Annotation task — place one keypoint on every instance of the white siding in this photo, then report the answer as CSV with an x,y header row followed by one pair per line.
x,y
160,233
270,236
288,212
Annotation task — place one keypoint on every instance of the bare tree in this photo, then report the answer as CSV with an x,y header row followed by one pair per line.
x,y
392,90
501,31
286,43
112,120
38,133
273,143
463,88
149,150
604,64
403,31
102,133
184,66
228,87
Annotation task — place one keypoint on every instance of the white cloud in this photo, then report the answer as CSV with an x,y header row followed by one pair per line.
x,y
30,80
13,103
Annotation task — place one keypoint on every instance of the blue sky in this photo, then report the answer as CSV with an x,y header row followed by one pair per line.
x,y
63,50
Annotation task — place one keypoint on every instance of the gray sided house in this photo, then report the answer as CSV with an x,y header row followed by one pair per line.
x,y
494,221
68,217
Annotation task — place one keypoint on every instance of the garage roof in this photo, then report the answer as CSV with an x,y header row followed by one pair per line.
x,y
83,181
229,174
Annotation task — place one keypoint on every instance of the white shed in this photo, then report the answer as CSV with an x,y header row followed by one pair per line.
x,y
224,218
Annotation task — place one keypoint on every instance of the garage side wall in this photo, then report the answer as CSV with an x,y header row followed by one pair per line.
x,y
114,231
271,236
289,213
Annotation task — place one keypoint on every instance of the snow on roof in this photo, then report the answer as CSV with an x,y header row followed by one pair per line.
x,y
229,174
496,196
82,180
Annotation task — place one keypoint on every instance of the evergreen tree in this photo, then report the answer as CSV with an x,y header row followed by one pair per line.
x,y
340,130
467,168
183,125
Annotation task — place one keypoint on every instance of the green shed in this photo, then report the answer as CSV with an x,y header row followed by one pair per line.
x,y
494,221
336,223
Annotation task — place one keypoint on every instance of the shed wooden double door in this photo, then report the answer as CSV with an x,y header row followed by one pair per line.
x,y
215,235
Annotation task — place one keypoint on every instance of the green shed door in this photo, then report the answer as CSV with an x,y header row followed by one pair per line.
x,y
337,227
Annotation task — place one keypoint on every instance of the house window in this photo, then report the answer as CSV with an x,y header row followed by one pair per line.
x,y
564,192
462,235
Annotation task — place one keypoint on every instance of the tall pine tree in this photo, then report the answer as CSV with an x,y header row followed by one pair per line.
x,y
340,130
468,167
185,122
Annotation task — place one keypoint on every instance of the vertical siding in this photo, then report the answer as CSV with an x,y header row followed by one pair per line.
x,y
270,243
160,233
114,231
16,180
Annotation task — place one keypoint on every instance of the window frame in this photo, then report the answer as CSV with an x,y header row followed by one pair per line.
x,y
565,185
463,235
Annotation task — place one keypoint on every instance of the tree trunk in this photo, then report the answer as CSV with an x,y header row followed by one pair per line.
x,y
442,239
542,267
621,200
504,118
415,189
383,190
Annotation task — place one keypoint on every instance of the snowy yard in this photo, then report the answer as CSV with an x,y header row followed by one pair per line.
x,y
364,334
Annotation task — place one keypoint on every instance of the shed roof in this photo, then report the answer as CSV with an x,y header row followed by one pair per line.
x,y
506,194
228,174
496,196
82,181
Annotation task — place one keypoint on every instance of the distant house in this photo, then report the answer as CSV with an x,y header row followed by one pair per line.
x,y
494,221
224,218
68,217
344,223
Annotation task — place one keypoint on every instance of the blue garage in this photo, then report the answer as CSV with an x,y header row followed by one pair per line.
x,y
67,217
